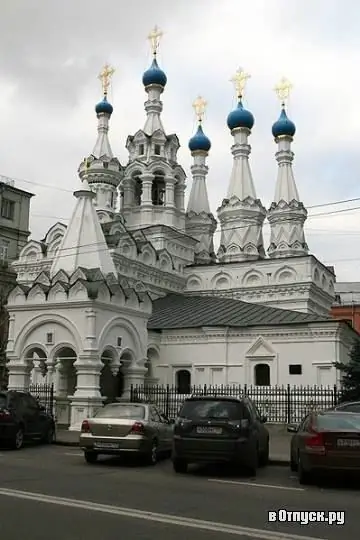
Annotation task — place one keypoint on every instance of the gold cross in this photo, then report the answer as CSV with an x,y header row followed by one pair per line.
x,y
105,77
239,79
282,90
154,38
199,107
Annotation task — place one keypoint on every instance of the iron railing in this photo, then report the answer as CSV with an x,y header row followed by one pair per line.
x,y
280,404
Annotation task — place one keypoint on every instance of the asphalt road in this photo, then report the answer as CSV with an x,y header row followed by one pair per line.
x,y
52,491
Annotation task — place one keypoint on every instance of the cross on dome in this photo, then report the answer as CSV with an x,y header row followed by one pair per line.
x,y
199,106
239,80
105,77
283,89
154,38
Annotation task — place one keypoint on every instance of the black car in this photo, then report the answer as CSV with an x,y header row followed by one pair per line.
x,y
22,418
217,429
348,406
325,441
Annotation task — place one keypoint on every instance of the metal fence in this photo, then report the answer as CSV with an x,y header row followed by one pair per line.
x,y
280,404
43,393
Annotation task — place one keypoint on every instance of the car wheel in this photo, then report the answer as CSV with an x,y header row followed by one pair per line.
x,y
152,457
90,457
180,466
18,441
304,476
264,459
293,464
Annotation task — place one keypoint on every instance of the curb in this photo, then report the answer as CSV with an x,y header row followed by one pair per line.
x,y
66,443
275,462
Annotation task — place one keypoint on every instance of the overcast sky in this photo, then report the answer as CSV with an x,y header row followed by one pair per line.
x,y
52,52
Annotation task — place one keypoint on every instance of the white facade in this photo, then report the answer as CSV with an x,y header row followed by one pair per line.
x,y
297,283
80,314
230,356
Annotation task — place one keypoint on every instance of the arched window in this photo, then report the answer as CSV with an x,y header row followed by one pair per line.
x,y
158,189
137,191
183,381
262,375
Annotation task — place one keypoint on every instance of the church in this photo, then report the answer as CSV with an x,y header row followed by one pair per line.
x,y
133,292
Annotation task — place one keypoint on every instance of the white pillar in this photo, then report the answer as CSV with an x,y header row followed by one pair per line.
x,y
170,191
146,182
19,374
128,193
180,197
87,398
134,375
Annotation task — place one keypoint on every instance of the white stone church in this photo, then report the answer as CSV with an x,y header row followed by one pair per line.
x,y
134,292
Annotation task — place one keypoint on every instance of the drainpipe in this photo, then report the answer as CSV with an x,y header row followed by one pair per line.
x,y
227,331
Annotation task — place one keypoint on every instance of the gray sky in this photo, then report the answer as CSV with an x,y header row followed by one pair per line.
x,y
52,52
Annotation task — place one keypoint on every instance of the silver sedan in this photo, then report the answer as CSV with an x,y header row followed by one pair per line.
x,y
127,428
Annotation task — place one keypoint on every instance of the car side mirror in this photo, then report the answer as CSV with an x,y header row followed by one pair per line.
x,y
292,428
263,419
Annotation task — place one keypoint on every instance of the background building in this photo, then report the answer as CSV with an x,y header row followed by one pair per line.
x,y
14,233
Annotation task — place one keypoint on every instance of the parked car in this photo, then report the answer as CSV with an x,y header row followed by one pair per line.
x,y
350,406
22,419
220,429
126,428
325,441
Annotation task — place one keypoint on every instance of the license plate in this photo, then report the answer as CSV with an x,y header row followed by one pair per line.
x,y
105,445
213,430
348,443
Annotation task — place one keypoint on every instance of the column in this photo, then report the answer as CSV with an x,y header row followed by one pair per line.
x,y
19,374
87,398
50,365
37,375
180,197
62,403
146,181
11,336
134,375
128,200
170,191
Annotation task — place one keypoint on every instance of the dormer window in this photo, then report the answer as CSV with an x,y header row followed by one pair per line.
x,y
141,149
157,150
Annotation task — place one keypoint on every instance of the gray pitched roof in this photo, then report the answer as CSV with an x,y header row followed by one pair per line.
x,y
178,311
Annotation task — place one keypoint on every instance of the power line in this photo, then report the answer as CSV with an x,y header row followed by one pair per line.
x,y
31,182
179,235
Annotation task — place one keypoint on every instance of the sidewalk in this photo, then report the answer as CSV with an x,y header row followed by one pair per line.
x,y
279,442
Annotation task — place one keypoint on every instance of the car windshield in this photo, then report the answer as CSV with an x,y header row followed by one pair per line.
x,y
338,422
3,401
119,410
214,408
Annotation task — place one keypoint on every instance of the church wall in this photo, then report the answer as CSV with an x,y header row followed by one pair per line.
x,y
297,283
229,356
32,326
122,330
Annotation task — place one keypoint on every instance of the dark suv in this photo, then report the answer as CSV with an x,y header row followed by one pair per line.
x,y
220,429
23,418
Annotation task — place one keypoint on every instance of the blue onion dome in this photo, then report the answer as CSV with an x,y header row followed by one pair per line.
x,y
154,75
283,126
199,141
104,107
240,118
